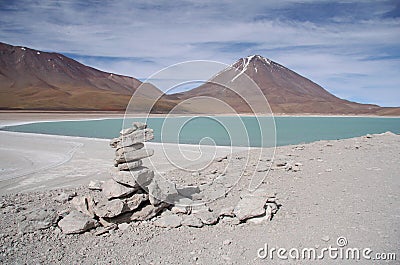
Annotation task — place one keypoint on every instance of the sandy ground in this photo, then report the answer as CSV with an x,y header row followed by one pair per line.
x,y
345,188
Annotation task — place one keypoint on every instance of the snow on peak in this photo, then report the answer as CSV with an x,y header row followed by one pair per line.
x,y
37,53
245,64
23,48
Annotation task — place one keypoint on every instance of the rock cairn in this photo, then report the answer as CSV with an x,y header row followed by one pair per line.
x,y
125,196
133,193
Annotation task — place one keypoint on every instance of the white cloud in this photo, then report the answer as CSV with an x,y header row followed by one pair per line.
x,y
331,51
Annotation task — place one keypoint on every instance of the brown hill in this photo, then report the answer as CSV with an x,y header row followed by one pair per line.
x,y
286,91
31,79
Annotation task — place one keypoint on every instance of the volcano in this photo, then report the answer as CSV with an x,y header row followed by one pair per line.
x,y
286,91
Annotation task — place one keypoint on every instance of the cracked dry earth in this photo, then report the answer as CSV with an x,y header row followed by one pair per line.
x,y
327,189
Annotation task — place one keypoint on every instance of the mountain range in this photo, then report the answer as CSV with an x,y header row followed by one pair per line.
x,y
36,80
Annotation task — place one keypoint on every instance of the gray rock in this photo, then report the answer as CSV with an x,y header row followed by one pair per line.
x,y
95,184
76,222
110,208
127,149
181,209
147,212
129,165
207,217
123,226
221,159
295,168
63,198
230,220
133,155
214,191
114,142
251,205
135,137
192,221
136,178
169,221
84,204
227,242
137,125
105,229
162,190
37,219
227,211
269,212
133,202
112,189
259,220
141,214
126,131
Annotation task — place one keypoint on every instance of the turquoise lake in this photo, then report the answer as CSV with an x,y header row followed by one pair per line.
x,y
237,131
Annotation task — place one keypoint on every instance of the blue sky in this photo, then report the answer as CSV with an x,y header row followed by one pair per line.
x,y
351,48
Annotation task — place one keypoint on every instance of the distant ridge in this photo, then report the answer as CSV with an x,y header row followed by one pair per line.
x,y
31,79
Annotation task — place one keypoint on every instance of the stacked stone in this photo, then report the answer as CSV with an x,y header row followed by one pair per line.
x,y
127,189
125,196
130,148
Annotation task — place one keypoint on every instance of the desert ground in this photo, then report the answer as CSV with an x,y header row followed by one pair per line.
x,y
343,190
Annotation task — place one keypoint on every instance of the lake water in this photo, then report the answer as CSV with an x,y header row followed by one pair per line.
x,y
237,131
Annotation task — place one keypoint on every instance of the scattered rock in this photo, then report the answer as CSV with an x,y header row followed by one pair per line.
x,y
105,229
95,185
84,205
135,194
123,226
251,205
147,212
162,190
63,197
227,242
222,158
37,219
169,221
207,217
181,209
76,222
259,220
192,221
227,211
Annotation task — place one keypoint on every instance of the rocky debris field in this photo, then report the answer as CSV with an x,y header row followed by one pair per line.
x,y
218,221
134,193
